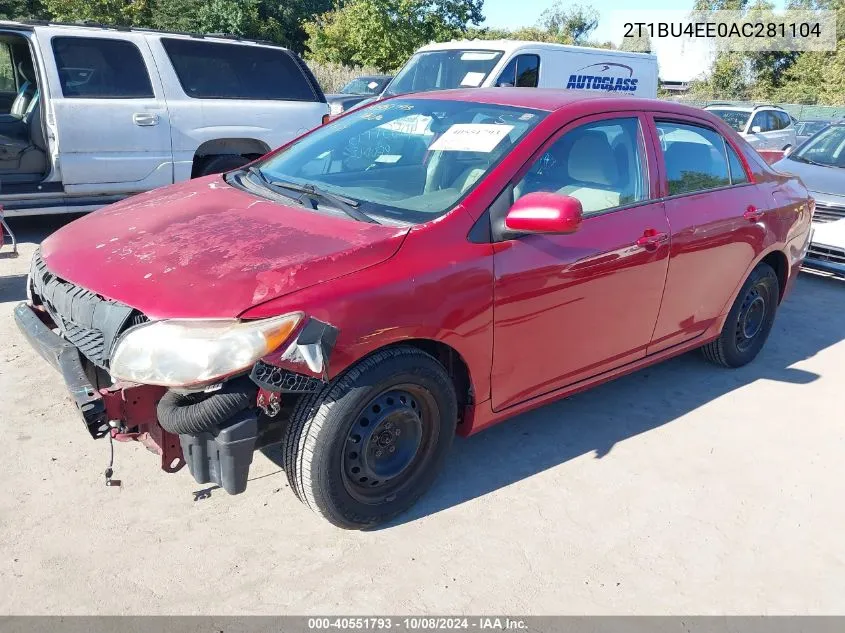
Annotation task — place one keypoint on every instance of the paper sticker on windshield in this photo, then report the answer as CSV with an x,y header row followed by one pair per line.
x,y
388,158
478,56
471,137
473,80
372,85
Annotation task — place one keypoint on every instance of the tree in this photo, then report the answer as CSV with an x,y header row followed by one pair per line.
x,y
384,33
22,9
638,43
118,12
570,24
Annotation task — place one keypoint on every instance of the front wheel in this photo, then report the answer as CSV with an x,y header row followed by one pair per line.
x,y
370,443
749,321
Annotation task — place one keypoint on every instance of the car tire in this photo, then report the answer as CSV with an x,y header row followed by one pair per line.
x,y
220,163
749,321
371,442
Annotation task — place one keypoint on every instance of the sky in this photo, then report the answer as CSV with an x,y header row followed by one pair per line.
x,y
678,60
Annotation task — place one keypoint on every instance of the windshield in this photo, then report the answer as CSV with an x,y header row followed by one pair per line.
x,y
441,70
825,148
364,86
808,128
407,160
735,118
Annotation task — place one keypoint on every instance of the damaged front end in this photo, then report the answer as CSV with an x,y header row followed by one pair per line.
x,y
214,429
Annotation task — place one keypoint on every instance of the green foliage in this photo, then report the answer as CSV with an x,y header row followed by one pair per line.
x,y
384,33
786,77
572,22
558,25
22,9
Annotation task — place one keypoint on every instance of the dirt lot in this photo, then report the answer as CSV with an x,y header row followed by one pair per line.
x,y
680,489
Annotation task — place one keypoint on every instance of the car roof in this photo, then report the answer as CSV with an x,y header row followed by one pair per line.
x,y
510,46
93,27
551,99
742,108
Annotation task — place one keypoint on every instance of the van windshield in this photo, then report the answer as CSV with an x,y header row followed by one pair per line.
x,y
442,70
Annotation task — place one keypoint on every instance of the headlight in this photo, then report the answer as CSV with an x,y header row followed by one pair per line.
x,y
180,353
335,108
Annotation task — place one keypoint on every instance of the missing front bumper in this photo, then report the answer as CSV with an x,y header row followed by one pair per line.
x,y
65,358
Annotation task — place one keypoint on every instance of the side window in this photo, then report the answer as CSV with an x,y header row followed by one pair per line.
x,y
763,119
694,156
602,164
785,120
738,175
776,122
7,70
527,71
97,68
215,70
508,76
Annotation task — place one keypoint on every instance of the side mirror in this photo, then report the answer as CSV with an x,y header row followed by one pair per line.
x,y
787,151
756,129
543,212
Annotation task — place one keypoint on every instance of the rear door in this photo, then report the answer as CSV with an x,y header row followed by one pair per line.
x,y
225,90
108,111
707,195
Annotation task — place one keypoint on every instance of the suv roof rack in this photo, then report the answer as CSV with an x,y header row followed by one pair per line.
x,y
753,106
140,29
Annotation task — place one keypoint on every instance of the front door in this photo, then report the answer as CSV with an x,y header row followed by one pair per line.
x,y
568,307
108,112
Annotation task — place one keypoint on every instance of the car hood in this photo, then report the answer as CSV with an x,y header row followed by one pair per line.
x,y
816,178
204,249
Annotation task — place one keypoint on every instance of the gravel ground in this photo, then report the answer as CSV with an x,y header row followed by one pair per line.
x,y
682,488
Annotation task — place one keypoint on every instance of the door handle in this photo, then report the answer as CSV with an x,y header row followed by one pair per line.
x,y
652,239
145,119
753,214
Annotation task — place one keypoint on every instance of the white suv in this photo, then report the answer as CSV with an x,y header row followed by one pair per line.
x,y
90,114
763,126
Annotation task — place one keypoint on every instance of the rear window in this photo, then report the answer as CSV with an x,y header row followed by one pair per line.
x,y
215,70
99,68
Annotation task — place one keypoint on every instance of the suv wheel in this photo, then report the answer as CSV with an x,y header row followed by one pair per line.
x,y
371,442
749,321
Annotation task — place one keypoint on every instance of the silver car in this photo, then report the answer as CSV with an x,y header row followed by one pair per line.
x,y
763,126
820,163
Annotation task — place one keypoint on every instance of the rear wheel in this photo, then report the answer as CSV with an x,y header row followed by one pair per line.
x,y
749,321
367,446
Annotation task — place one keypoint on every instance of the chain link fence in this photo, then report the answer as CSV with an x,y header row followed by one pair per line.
x,y
799,111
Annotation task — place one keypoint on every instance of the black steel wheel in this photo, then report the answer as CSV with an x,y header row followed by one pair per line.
x,y
749,322
367,446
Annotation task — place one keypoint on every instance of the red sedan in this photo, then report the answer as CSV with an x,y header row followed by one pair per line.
x,y
424,266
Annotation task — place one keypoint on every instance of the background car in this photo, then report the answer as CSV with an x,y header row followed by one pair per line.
x,y
763,126
820,163
98,114
356,91
805,129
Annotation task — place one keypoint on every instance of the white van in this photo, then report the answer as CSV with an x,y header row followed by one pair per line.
x,y
92,114
489,63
